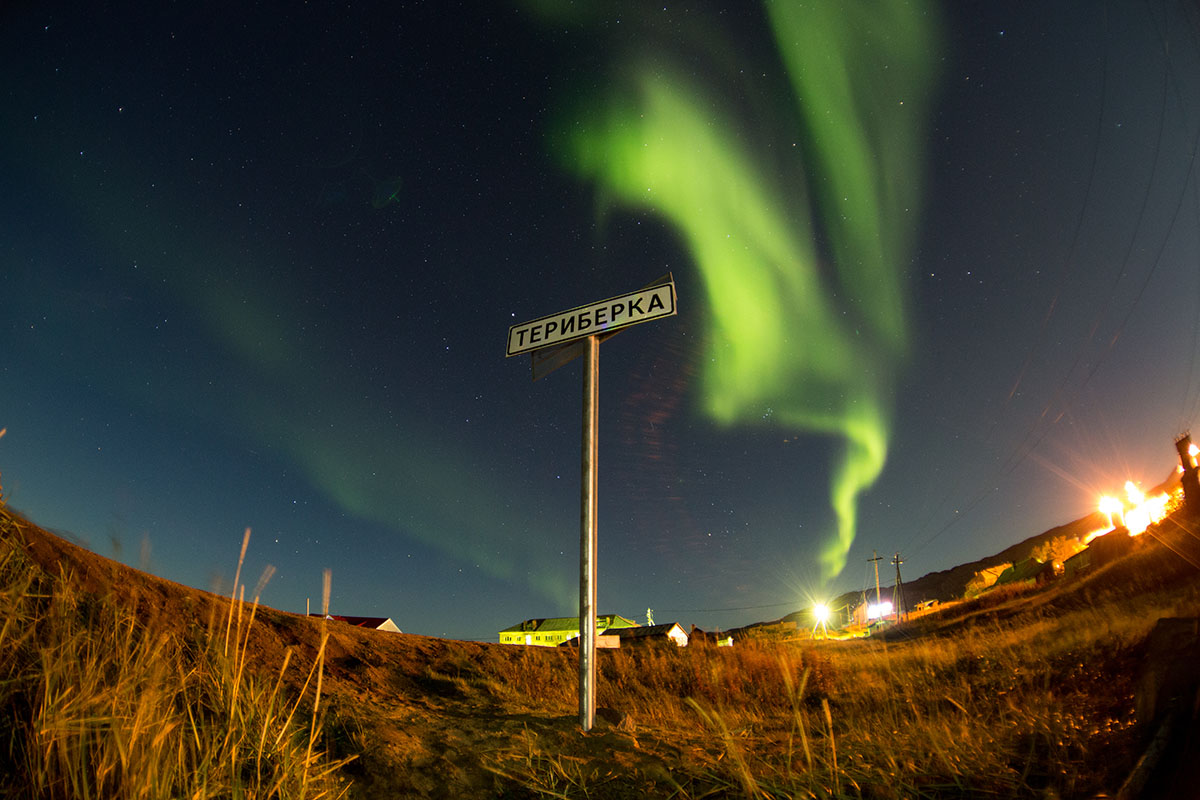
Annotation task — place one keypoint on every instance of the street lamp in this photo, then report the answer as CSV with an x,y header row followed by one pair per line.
x,y
820,619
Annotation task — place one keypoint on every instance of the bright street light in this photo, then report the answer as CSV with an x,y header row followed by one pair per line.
x,y
820,618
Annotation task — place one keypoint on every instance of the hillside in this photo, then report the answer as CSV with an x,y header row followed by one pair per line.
x,y
417,711
429,718
951,584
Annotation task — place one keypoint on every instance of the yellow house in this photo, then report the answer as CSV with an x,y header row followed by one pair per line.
x,y
553,631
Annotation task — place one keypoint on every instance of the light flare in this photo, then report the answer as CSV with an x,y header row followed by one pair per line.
x,y
1192,451
1110,506
879,610
821,614
1138,512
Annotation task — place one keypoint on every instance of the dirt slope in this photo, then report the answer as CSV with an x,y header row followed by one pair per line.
x,y
427,717
433,718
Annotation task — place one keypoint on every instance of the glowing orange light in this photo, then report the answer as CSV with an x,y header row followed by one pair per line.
x,y
1138,514
1110,505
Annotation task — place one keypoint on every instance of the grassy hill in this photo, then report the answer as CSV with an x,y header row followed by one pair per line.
x,y
950,584
116,683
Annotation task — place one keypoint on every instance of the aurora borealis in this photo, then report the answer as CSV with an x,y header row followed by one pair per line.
x,y
938,276
779,338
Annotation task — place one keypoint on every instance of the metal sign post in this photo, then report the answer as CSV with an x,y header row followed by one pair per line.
x,y
554,341
588,533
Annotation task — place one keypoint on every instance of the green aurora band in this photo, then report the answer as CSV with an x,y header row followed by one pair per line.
x,y
294,400
814,333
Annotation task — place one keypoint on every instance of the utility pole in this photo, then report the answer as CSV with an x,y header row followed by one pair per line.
x,y
899,598
876,560
1189,479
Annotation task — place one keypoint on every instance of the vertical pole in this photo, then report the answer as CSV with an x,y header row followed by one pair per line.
x,y
587,534
876,560
1189,479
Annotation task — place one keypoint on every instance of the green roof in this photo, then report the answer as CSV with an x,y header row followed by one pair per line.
x,y
1025,570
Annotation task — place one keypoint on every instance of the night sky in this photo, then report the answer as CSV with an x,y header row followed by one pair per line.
x,y
938,276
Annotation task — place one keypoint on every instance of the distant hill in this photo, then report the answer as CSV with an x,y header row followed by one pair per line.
x,y
950,584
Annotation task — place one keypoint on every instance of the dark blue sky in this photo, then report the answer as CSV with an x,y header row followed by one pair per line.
x,y
258,267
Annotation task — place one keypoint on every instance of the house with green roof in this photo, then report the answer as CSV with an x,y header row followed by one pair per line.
x,y
553,631
1031,572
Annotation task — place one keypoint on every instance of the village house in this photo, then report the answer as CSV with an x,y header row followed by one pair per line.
x,y
639,635
1030,572
1080,562
553,631
984,579
714,638
1102,550
374,623
670,633
870,611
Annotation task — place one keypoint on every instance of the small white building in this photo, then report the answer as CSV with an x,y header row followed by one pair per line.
x,y
669,632
374,623
637,636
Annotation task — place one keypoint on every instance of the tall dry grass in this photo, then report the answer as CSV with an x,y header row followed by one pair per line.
x,y
1031,696
99,702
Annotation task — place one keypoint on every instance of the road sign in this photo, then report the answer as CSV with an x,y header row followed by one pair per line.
x,y
554,341
595,318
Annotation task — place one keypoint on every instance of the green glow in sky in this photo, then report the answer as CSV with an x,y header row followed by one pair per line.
x,y
805,336
407,475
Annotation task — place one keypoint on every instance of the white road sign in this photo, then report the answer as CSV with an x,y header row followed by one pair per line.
x,y
606,315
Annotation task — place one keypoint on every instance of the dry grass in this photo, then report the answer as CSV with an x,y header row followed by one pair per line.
x,y
1027,695
99,702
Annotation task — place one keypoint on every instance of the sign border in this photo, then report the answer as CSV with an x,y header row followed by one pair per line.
x,y
596,330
